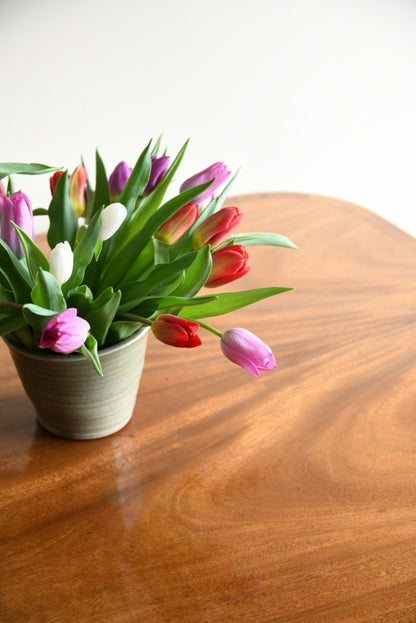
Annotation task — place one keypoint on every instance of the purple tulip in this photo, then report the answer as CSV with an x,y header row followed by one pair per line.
x,y
16,209
65,332
118,180
217,173
248,351
158,170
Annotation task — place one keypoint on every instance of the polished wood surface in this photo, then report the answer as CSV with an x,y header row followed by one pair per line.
x,y
289,498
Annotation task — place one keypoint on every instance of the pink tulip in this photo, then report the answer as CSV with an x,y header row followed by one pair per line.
x,y
2,188
216,173
247,350
65,332
16,209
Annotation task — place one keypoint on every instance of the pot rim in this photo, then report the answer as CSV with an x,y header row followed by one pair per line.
x,y
73,357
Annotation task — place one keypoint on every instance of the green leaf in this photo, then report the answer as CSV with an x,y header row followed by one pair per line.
x,y
84,252
34,256
229,301
197,274
121,330
90,351
102,191
31,168
137,290
128,252
40,212
102,312
259,238
16,274
11,323
37,316
151,203
10,186
62,221
138,179
47,292
80,298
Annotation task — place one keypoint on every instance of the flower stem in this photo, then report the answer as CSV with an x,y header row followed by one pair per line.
x,y
208,327
136,318
9,304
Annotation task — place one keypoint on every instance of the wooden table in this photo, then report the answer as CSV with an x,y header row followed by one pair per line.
x,y
290,498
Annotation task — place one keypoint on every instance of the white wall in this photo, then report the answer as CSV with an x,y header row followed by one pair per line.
x,y
306,95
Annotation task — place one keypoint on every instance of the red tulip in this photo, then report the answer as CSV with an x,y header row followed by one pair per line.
x,y
178,224
216,227
176,331
53,180
228,264
77,188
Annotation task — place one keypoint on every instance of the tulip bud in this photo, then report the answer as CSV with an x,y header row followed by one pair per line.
x,y
216,227
228,264
158,170
111,218
2,189
61,262
216,173
16,209
178,224
176,331
53,180
77,190
248,351
65,332
118,180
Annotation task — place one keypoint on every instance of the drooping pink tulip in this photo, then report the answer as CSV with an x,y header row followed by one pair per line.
x,y
176,331
65,332
247,350
217,173
16,209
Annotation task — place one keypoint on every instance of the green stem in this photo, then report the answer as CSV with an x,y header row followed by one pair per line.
x,y
208,327
136,318
9,304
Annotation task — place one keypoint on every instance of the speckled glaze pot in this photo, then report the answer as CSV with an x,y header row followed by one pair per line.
x,y
71,399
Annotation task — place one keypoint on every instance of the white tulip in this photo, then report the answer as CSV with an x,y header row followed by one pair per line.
x,y
111,218
61,262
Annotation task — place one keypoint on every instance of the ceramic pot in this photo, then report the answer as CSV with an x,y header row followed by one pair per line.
x,y
71,399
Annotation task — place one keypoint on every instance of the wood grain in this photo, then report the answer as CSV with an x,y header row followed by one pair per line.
x,y
290,498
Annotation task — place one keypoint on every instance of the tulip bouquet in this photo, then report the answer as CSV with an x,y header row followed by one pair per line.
x,y
122,259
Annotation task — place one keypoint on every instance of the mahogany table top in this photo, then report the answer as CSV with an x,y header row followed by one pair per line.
x,y
227,498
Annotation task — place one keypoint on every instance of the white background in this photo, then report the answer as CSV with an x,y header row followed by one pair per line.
x,y
316,96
